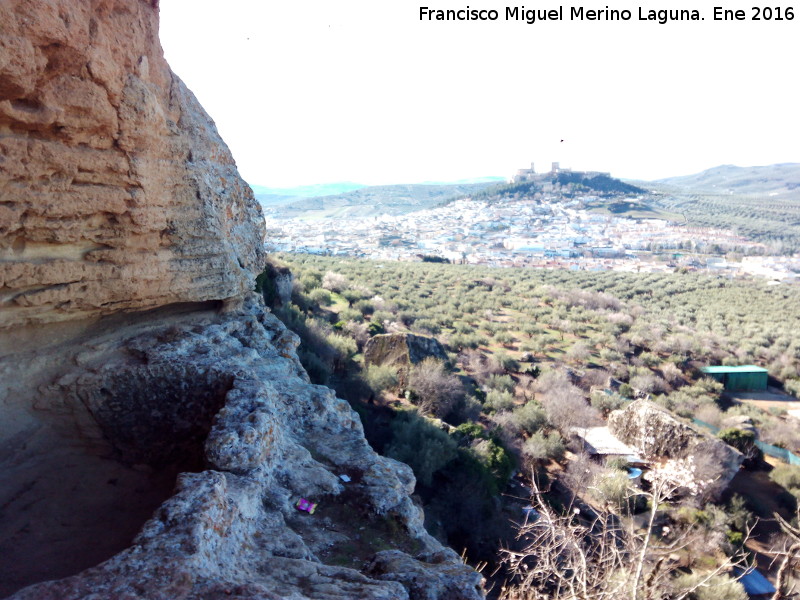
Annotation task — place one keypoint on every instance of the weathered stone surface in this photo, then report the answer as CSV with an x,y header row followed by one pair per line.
x,y
116,192
133,354
154,399
658,435
438,578
401,349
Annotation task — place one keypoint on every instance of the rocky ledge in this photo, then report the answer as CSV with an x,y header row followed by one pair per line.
x,y
223,399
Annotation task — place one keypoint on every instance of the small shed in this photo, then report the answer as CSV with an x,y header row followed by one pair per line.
x,y
599,441
749,378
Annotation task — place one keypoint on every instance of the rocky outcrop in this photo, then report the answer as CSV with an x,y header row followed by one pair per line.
x,y
657,435
226,397
401,350
157,428
116,191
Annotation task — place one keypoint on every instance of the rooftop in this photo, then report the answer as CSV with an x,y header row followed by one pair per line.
x,y
739,369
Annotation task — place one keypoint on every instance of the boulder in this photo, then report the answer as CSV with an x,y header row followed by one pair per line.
x,y
658,435
402,350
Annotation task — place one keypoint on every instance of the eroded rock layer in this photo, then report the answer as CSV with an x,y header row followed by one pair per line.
x,y
116,191
157,428
146,399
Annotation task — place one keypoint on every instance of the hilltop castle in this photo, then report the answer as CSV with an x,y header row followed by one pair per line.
x,y
523,175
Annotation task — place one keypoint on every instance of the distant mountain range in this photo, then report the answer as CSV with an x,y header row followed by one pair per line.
x,y
270,196
371,200
720,196
778,178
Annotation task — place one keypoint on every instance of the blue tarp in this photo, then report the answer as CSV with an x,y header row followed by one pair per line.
x,y
755,584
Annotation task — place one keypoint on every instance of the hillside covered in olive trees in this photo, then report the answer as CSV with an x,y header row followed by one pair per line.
x,y
530,358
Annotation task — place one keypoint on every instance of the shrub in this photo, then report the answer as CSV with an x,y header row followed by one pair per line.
x,y
499,401
780,432
611,487
605,403
318,370
740,516
530,417
344,349
501,383
433,389
504,361
743,441
787,476
718,587
496,460
792,386
335,282
544,446
466,408
381,377
618,463
504,338
421,445
320,297
469,431
375,328
351,314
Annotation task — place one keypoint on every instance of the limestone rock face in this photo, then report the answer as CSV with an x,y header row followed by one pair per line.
x,y
116,192
156,427
401,349
226,394
659,435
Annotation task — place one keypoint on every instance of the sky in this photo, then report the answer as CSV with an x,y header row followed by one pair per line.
x,y
364,91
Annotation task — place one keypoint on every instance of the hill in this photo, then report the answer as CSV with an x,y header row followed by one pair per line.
x,y
565,183
375,200
271,196
762,203
778,178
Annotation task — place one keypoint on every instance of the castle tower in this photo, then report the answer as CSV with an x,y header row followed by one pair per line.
x,y
555,168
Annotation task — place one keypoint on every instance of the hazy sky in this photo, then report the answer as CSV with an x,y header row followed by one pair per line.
x,y
362,90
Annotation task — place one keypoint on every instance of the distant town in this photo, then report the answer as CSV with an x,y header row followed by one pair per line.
x,y
549,229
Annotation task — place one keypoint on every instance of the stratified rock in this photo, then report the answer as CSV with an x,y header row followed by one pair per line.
x,y
116,191
227,395
157,428
401,350
657,435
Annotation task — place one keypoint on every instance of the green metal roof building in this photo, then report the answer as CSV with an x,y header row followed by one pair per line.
x,y
748,378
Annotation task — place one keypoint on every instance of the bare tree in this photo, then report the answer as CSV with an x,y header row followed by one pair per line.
x,y
595,555
435,390
789,556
